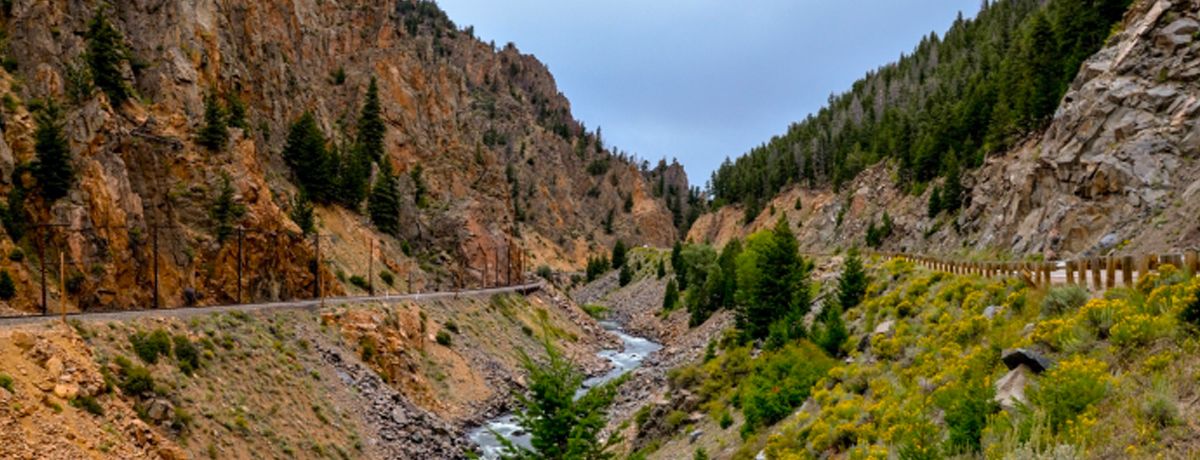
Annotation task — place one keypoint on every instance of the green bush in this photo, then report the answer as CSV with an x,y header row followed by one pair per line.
x,y
148,346
1070,388
16,255
136,380
387,277
1062,299
967,410
6,382
1190,314
88,403
360,282
544,271
443,338
186,354
626,275
451,326
779,382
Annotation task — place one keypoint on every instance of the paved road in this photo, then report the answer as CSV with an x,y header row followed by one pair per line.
x,y
273,306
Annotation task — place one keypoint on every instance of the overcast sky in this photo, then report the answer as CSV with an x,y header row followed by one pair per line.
x,y
700,80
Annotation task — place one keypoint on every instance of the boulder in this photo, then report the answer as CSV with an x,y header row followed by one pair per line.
x,y
23,340
1010,389
159,410
884,328
66,390
1022,356
1177,33
694,435
991,311
1110,240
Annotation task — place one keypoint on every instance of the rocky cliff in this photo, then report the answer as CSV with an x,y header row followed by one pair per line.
x,y
507,169
1116,169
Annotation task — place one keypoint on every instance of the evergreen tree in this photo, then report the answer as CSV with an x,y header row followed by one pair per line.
x,y
935,202
678,266
952,194
225,209
671,297
106,53
8,290
354,175
852,284
384,204
237,111
371,128
618,254
662,269
302,214
52,168
831,332
309,160
561,427
625,276
214,134
772,284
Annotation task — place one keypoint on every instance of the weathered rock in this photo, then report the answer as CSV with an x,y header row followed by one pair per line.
x,y
66,390
694,435
159,410
1010,389
991,311
1033,360
884,328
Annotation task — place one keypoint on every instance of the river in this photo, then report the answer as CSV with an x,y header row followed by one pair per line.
x,y
634,351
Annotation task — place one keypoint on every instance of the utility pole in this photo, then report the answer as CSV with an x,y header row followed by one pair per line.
x,y
62,286
42,261
371,267
241,234
154,232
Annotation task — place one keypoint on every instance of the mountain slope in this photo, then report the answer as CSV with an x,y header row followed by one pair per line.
x,y
1114,169
484,145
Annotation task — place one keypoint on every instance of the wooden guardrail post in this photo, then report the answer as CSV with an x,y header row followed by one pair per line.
x,y
1070,272
1110,277
1096,284
1127,271
1151,262
1192,261
1081,267
1047,267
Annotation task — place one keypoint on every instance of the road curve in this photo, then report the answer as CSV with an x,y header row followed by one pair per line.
x,y
188,312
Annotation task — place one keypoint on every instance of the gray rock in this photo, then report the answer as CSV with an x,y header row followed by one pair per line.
x,y
1010,389
1177,33
694,435
991,311
884,328
1023,356
1110,240
159,410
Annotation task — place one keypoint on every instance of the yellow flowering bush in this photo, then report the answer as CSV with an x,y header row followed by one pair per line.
x,y
1069,388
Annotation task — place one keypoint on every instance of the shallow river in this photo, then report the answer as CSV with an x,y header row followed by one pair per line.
x,y
635,349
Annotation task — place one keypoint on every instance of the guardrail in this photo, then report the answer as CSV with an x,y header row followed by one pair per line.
x,y
1097,272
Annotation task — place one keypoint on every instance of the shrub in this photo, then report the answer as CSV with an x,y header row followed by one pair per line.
x,y
595,311
1070,388
16,255
443,338
387,277
544,271
88,403
136,380
186,355
451,326
1160,408
367,346
6,382
1061,299
619,251
359,282
671,297
1190,314
966,415
148,346
780,383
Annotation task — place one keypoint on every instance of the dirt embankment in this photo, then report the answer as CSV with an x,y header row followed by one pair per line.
x,y
372,381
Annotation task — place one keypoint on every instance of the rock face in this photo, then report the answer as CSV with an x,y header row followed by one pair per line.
x,y
1119,154
502,158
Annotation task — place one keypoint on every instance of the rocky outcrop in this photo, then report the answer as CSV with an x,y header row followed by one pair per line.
x,y
1115,168
507,169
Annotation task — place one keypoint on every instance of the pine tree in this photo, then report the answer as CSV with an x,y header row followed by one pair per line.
x,y
237,111
371,128
52,168
561,426
935,202
772,284
832,331
302,214
225,209
671,297
353,180
214,134
618,254
952,194
106,52
625,276
309,160
662,269
384,204
7,289
852,284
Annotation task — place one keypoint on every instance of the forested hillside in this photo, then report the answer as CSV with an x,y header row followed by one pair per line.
x,y
984,84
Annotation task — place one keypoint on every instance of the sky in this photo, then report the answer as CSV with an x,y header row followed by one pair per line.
x,y
702,80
